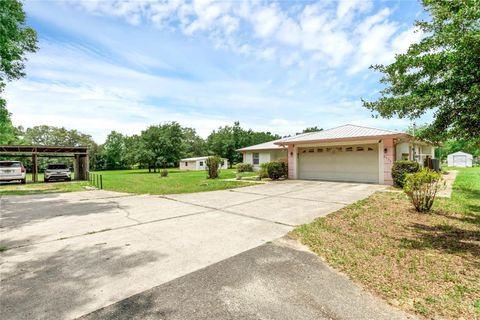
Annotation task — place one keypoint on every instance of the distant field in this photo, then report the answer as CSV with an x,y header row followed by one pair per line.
x,y
141,181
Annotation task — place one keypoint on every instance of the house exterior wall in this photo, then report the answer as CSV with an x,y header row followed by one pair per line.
x,y
264,156
187,165
388,160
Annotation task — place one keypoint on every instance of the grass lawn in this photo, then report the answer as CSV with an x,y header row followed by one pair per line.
x,y
428,264
136,181
140,181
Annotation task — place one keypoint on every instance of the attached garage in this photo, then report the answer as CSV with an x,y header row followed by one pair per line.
x,y
348,153
350,163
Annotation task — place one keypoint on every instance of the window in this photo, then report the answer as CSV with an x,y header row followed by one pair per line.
x,y
319,150
186,164
359,148
370,149
311,150
349,149
201,163
339,149
328,149
10,164
256,158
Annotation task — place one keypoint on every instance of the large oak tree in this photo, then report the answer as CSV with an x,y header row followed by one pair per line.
x,y
440,73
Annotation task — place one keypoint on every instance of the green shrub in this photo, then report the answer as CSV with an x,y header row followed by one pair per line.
x,y
262,173
400,170
422,187
276,169
244,167
212,164
163,173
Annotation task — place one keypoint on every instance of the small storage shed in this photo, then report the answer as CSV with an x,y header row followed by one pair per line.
x,y
460,159
199,163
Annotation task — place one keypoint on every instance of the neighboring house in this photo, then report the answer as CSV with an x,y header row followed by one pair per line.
x,y
199,164
264,152
460,159
348,153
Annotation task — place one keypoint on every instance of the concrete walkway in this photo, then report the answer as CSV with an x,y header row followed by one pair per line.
x,y
70,254
449,180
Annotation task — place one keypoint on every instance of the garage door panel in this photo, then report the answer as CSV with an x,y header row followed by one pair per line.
x,y
337,164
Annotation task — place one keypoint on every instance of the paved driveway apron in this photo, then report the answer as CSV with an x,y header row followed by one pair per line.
x,y
70,254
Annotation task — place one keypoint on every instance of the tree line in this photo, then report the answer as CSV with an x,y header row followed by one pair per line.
x,y
157,146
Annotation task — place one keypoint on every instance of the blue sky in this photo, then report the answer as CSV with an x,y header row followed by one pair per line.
x,y
273,66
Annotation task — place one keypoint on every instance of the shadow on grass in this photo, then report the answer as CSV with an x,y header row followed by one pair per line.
x,y
448,237
50,285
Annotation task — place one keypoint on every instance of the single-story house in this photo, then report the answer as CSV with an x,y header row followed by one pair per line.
x,y
347,153
198,163
460,159
263,152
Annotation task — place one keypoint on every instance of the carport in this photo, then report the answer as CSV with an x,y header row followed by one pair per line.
x,y
80,155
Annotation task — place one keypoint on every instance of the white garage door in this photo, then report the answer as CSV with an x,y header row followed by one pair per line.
x,y
342,163
459,161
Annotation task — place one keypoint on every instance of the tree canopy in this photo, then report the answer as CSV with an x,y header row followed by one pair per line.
x,y
225,141
440,73
16,39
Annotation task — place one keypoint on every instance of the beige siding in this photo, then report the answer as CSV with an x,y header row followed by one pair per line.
x,y
188,165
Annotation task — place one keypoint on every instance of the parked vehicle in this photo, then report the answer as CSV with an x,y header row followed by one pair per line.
x,y
12,171
57,172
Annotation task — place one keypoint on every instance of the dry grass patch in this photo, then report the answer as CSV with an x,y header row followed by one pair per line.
x,y
428,264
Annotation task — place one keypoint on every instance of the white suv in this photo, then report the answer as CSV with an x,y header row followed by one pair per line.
x,y
57,172
12,171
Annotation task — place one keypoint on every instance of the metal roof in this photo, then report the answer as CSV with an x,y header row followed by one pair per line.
x,y
20,149
198,158
342,132
264,146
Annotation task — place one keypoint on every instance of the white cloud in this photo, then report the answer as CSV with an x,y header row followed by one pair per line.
x,y
266,21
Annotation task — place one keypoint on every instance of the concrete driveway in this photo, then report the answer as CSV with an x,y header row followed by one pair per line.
x,y
73,253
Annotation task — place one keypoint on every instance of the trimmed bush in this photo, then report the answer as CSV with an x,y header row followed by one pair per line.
x,y
244,167
276,169
262,173
422,187
212,164
163,173
400,170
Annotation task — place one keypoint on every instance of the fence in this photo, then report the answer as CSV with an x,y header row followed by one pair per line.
x,y
95,179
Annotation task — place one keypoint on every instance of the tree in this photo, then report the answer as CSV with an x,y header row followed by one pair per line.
x,y
162,145
8,133
113,151
16,39
440,73
226,140
311,129
193,145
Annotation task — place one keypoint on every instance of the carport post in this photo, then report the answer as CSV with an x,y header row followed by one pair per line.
x,y
34,168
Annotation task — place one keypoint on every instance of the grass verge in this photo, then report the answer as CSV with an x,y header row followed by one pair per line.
x,y
41,187
428,264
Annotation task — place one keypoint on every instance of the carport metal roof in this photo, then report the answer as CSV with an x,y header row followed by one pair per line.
x,y
42,150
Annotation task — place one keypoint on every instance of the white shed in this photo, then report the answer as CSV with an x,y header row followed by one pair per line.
x,y
460,159
198,163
